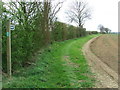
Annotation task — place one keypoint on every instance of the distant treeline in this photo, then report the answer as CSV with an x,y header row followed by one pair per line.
x,y
36,28
92,32
115,32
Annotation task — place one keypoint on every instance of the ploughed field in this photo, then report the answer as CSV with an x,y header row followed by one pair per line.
x,y
106,48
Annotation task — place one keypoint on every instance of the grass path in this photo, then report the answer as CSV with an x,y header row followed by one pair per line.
x,y
61,65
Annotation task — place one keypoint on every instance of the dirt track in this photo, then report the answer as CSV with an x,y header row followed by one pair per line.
x,y
102,61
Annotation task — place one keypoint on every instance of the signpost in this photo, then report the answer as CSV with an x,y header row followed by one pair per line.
x,y
8,33
12,27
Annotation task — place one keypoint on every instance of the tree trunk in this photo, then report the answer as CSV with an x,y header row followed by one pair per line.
x,y
46,22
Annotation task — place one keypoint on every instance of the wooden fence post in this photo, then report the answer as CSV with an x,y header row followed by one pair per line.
x,y
8,33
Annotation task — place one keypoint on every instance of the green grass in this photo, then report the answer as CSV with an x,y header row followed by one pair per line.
x,y
61,65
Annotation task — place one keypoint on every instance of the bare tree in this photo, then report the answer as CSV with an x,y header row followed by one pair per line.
x,y
79,12
107,30
53,11
49,14
101,28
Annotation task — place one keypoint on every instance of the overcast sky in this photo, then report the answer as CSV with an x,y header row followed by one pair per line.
x,y
104,12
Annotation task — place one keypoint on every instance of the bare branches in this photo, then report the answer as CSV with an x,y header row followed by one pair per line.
x,y
55,10
103,29
79,13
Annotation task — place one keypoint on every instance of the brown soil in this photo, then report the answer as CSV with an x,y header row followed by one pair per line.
x,y
106,48
102,56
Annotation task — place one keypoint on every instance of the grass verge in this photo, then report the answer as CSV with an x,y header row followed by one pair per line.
x,y
61,65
